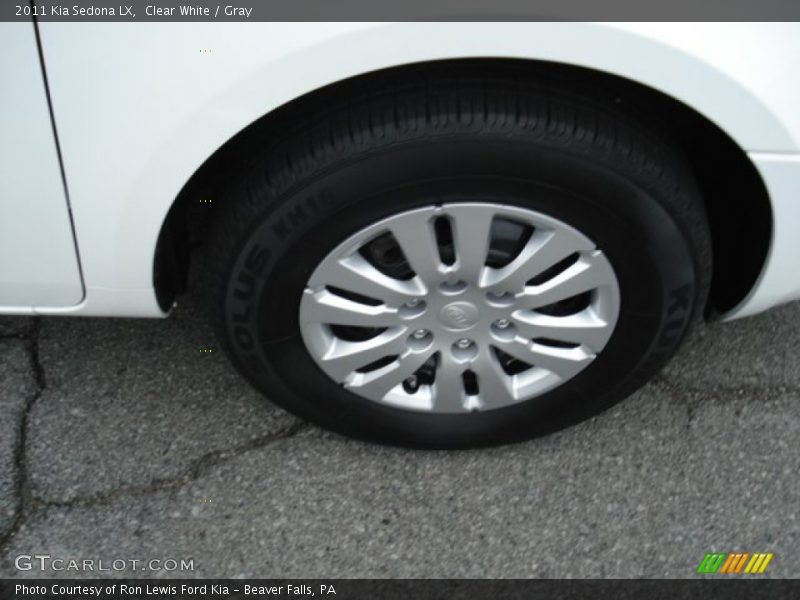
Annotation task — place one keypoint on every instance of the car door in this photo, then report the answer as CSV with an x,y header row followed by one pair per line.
x,y
38,257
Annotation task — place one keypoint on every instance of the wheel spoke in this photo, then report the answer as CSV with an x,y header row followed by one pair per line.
x,y
448,388
494,386
331,309
584,327
355,274
472,227
483,324
564,362
344,356
543,250
417,239
378,383
585,275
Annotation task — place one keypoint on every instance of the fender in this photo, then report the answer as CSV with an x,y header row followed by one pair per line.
x,y
139,107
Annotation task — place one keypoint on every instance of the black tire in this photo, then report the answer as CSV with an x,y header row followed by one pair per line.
x,y
420,141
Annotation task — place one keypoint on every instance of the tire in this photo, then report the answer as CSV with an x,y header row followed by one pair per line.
x,y
422,141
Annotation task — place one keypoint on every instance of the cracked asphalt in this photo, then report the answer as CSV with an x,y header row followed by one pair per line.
x,y
134,439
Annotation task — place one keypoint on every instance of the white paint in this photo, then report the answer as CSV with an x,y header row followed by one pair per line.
x,y
139,106
38,265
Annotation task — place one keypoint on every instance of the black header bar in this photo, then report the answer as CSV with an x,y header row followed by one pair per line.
x,y
399,10
709,588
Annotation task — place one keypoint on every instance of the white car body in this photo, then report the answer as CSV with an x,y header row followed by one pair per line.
x,y
139,107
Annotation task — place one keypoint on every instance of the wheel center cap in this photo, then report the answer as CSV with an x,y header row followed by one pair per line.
x,y
459,315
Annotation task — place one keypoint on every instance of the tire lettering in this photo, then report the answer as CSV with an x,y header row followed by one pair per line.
x,y
249,283
677,313
241,305
671,332
281,230
679,299
242,317
257,259
295,217
243,338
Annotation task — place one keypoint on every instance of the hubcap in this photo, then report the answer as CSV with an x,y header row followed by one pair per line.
x,y
459,307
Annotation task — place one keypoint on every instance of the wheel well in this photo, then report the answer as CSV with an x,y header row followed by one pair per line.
x,y
736,199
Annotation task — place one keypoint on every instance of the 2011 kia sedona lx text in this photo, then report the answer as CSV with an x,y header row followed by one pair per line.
x,y
429,234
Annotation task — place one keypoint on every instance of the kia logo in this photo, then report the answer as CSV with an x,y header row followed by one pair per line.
x,y
456,315
459,315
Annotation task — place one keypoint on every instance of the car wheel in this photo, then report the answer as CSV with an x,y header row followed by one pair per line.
x,y
458,263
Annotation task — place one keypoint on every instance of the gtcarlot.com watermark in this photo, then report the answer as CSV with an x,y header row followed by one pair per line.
x,y
46,562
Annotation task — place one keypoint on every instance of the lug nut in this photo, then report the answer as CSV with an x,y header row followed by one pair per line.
x,y
411,384
420,333
500,298
503,323
463,343
413,302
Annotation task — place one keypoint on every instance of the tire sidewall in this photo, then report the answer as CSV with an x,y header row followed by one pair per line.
x,y
616,206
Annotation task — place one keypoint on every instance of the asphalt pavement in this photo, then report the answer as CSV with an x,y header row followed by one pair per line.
x,y
135,440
